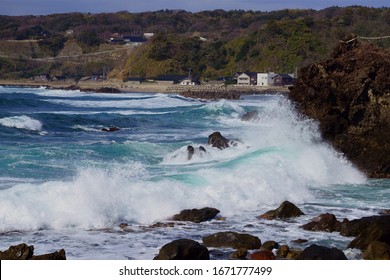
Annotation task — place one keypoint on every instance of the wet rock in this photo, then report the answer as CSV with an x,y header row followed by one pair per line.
x,y
250,116
282,251
110,129
196,215
300,241
269,245
262,255
377,250
191,151
232,240
316,252
217,140
284,211
376,231
26,252
239,254
183,249
348,94
355,227
324,222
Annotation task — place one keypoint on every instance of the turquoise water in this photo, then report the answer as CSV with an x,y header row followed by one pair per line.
x,y
65,183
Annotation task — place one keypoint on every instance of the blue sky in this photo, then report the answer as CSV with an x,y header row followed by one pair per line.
x,y
44,7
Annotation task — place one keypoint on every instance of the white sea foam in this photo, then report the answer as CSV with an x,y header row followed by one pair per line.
x,y
22,122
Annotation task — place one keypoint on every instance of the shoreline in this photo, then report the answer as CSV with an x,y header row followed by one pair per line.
x,y
204,91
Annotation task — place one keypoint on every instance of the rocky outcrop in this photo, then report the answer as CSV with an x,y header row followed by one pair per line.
x,y
349,95
26,252
377,250
324,222
183,249
217,140
316,252
378,230
196,215
232,240
284,211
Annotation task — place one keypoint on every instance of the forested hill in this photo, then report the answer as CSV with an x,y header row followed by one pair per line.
x,y
211,43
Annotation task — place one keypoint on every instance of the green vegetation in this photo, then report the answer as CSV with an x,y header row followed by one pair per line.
x,y
210,43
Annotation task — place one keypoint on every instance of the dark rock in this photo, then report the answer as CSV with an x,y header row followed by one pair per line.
x,y
376,231
300,241
26,252
324,222
284,211
196,215
269,245
262,255
250,116
217,140
239,254
183,249
232,240
110,129
316,252
377,250
190,151
355,227
349,95
57,255
283,251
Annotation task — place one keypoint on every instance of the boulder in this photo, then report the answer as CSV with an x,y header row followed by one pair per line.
x,y
196,215
316,252
232,240
26,252
269,245
377,250
324,222
191,151
376,231
239,254
355,227
183,249
217,140
284,211
262,255
349,95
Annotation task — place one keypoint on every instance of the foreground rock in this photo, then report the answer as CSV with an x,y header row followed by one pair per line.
x,y
196,215
232,240
349,95
183,249
26,252
377,250
316,252
376,231
284,211
324,222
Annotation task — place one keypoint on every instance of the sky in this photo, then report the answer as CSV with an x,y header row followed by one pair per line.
x,y
44,7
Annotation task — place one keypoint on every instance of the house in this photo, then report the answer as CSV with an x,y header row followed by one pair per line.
x,y
134,40
266,79
189,82
247,79
170,79
283,80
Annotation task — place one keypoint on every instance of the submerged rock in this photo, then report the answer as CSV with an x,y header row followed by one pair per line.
x,y
110,129
183,249
196,215
349,95
217,140
232,240
284,211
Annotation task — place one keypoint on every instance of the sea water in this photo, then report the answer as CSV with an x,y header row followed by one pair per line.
x,y
67,183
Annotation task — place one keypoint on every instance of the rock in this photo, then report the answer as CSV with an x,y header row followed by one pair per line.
x,y
324,222
191,151
110,129
183,249
196,215
355,227
269,246
250,116
384,212
316,252
217,140
232,240
26,252
376,231
348,94
282,251
262,255
284,211
239,254
377,250
300,241
57,255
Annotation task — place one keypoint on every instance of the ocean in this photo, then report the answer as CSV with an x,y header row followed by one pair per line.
x,y
67,183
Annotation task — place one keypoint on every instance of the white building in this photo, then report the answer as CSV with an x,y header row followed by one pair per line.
x,y
265,79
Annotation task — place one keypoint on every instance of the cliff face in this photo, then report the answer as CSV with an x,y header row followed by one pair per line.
x,y
349,94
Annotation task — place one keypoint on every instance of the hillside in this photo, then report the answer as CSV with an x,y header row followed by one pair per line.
x,y
211,43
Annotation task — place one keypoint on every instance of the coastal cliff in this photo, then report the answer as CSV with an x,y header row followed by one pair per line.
x,y
349,95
